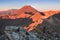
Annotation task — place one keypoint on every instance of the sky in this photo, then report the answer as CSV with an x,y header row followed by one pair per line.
x,y
40,5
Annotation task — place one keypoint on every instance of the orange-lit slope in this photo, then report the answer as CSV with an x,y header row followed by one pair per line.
x,y
50,13
38,19
20,13
26,9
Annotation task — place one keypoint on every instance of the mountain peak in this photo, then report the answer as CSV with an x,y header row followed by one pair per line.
x,y
26,8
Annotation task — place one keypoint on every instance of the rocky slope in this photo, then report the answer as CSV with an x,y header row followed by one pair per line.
x,y
49,29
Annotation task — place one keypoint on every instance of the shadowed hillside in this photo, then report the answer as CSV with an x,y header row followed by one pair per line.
x,y
14,22
49,29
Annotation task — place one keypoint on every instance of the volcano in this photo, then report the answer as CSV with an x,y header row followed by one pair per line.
x,y
27,16
25,11
26,8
